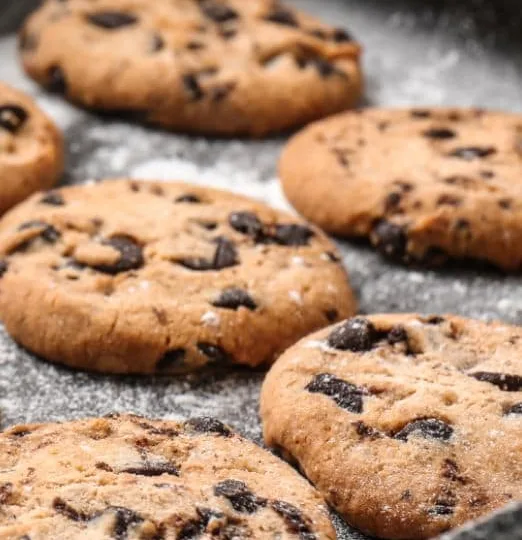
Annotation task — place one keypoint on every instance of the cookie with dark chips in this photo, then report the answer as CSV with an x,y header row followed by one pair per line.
x,y
224,67
129,477
408,425
425,186
143,277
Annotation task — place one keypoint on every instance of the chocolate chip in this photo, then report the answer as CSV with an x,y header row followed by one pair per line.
x,y
12,117
331,314
487,174
111,20
225,255
131,255
196,527
3,267
292,235
246,223
473,152
430,428
390,239
219,13
195,45
214,353
171,360
281,15
192,86
397,334
450,470
442,508
207,424
439,133
234,298
52,198
295,522
56,81
354,335
68,511
341,36
345,394
239,496
324,67
332,257
420,113
48,232
157,43
505,204
505,381
514,409
366,432
392,201
219,93
188,198
152,469
125,519
448,200
433,319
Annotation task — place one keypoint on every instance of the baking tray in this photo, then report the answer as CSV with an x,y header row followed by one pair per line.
x,y
416,53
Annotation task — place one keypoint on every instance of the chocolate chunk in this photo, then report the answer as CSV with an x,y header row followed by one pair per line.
x,y
448,200
131,256
390,239
192,86
3,267
354,335
514,409
12,117
505,381
397,334
331,314
246,223
188,198
111,20
53,198
196,527
439,133
430,428
234,298
171,359
225,255
48,232
420,113
56,81
152,469
345,394
292,235
294,520
213,352
281,15
473,152
68,511
125,519
218,12
207,424
239,496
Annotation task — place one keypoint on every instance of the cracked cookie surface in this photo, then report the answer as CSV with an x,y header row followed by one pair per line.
x,y
409,425
424,185
129,477
143,277
211,66
31,148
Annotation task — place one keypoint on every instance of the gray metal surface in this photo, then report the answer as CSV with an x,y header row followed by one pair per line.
x,y
415,53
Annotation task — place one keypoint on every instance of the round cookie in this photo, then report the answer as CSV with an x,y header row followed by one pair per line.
x,y
128,477
408,425
31,148
424,185
141,277
210,66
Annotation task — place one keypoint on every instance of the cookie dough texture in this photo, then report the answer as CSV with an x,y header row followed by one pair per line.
x,y
210,66
142,277
424,185
408,425
31,148
128,477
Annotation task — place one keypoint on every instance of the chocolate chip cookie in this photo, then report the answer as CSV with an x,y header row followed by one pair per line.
x,y
424,185
142,277
408,425
31,149
130,477
210,66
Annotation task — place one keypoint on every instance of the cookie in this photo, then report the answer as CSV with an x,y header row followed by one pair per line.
x,y
142,277
128,477
225,67
31,148
408,425
424,186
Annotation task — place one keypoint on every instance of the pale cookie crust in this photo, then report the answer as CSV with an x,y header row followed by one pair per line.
x,y
210,66
128,477
141,277
31,148
424,185
408,425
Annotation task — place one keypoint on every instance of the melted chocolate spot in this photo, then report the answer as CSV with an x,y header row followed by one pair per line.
x,y
345,394
505,381
239,496
131,255
429,428
111,20
12,117
354,335
207,424
234,298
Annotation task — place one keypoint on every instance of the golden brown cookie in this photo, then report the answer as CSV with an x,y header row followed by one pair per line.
x,y
424,185
128,477
31,148
210,66
141,277
408,425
